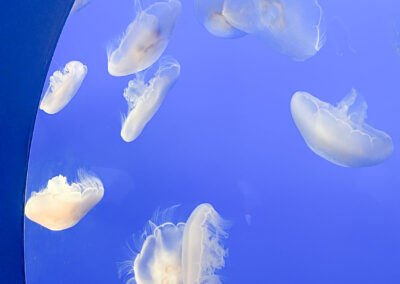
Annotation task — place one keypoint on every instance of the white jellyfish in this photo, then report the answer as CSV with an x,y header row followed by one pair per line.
x,y
211,15
202,249
61,205
145,39
183,253
79,4
144,98
339,133
160,258
292,27
63,87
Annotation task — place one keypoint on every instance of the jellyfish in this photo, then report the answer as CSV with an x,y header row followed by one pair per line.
x,y
211,15
292,27
339,133
61,205
145,39
202,248
78,5
144,98
182,253
63,87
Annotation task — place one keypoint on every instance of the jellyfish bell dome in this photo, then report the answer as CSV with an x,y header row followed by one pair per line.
x,y
339,133
145,39
211,15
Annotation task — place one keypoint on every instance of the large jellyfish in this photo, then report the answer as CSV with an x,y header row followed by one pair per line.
x,y
145,39
183,253
144,98
63,87
211,15
292,27
61,205
339,133
202,249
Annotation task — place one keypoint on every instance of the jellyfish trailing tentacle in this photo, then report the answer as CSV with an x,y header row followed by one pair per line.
x,y
339,134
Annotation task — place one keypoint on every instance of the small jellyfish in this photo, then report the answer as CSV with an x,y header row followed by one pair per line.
x,y
292,27
339,133
145,39
78,5
211,15
182,253
63,87
61,205
160,259
202,249
145,98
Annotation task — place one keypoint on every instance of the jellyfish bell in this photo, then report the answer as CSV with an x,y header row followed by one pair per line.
x,y
159,260
63,87
210,13
145,39
202,249
242,14
61,205
145,97
293,28
339,133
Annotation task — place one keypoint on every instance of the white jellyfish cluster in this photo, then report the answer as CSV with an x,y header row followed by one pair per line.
x,y
145,39
292,27
61,205
185,253
144,98
63,87
339,133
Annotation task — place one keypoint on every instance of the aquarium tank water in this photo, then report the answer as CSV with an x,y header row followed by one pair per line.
x,y
218,141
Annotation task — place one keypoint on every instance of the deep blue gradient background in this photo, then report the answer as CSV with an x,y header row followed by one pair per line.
x,y
225,135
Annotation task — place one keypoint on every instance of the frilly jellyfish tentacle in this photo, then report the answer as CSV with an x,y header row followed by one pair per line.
x,y
339,134
202,249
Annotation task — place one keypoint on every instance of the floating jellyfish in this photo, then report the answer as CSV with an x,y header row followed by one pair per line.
x,y
78,5
202,249
145,39
183,253
160,258
339,133
63,87
61,205
211,15
292,27
145,98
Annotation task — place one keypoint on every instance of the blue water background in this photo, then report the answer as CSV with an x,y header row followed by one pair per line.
x,y
224,135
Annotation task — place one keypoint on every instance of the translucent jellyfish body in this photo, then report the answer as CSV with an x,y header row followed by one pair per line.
x,y
292,27
183,253
62,205
339,133
202,249
160,258
63,87
211,15
145,39
144,98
